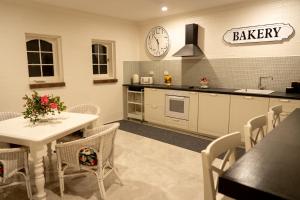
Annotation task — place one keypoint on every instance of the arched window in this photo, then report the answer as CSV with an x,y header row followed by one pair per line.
x,y
44,60
103,59
40,58
100,59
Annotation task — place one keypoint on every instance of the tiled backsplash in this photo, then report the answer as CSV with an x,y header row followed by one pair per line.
x,y
143,68
222,73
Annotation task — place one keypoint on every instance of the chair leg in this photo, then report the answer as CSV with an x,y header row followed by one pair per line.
x,y
118,176
28,187
101,186
61,185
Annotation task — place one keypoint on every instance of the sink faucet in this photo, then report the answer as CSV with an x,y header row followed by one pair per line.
x,y
260,79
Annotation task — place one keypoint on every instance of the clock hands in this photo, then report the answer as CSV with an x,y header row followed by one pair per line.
x,y
157,43
156,40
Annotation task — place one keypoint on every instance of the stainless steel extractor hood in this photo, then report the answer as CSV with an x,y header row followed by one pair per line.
x,y
190,48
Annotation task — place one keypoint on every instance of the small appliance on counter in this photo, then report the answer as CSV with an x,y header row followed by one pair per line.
x,y
135,78
295,88
147,80
167,78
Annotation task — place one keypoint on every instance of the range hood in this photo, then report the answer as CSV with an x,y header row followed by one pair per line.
x,y
190,48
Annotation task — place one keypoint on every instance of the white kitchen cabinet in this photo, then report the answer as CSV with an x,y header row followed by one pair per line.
x,y
288,105
243,108
193,111
154,105
213,114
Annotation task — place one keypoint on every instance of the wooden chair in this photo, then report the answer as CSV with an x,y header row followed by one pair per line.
x,y
274,117
255,130
94,154
14,161
6,116
226,144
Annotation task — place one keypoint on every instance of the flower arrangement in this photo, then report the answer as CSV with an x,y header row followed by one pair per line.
x,y
38,106
204,82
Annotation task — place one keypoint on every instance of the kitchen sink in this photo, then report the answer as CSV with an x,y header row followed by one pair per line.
x,y
254,91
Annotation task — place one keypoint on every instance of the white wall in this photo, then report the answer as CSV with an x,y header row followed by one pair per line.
x,y
215,22
76,30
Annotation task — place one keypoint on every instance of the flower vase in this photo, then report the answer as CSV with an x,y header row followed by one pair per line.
x,y
48,117
44,118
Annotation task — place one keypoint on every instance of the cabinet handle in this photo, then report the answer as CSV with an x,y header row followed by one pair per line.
x,y
192,92
154,106
153,89
176,120
247,97
284,100
213,95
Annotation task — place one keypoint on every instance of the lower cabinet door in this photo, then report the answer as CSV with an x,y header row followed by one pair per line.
x,y
154,113
154,105
243,108
213,114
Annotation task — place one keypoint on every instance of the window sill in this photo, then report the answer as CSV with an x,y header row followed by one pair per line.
x,y
113,80
46,85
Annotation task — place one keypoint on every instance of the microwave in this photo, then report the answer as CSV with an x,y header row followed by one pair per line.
x,y
147,80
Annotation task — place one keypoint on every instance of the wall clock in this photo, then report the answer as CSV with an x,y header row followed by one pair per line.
x,y
157,41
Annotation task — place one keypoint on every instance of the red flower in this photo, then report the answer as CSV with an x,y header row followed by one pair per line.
x,y
53,105
44,100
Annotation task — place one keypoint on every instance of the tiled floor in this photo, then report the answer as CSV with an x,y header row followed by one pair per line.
x,y
150,170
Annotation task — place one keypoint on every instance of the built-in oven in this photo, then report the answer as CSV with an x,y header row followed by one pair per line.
x,y
177,105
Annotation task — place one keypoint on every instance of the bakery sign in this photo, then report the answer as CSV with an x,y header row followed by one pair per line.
x,y
260,33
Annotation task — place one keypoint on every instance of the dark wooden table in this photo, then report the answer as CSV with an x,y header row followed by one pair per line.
x,y
270,170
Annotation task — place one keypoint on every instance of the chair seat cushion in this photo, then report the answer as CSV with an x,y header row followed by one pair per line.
x,y
1,170
87,156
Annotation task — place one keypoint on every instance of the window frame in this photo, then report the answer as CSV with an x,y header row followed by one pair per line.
x,y
111,63
57,58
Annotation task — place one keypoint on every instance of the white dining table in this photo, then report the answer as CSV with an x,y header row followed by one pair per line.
x,y
36,136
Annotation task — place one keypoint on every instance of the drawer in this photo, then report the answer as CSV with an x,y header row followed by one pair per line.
x,y
177,123
249,98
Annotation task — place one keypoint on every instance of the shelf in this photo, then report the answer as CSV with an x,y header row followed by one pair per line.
x,y
135,115
137,103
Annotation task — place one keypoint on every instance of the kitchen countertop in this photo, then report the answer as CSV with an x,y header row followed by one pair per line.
x,y
216,90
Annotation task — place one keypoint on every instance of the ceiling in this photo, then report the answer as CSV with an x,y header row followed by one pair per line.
x,y
137,10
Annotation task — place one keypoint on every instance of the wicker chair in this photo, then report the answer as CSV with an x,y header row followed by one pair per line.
x,y
84,109
92,154
14,161
87,109
5,116
9,115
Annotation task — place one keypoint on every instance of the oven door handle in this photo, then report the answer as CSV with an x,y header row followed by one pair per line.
x,y
176,97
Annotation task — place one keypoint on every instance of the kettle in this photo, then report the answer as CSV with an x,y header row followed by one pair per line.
x,y
135,78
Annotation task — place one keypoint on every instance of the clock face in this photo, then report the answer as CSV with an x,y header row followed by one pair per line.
x,y
157,41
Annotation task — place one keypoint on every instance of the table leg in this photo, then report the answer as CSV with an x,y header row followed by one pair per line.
x,y
38,152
